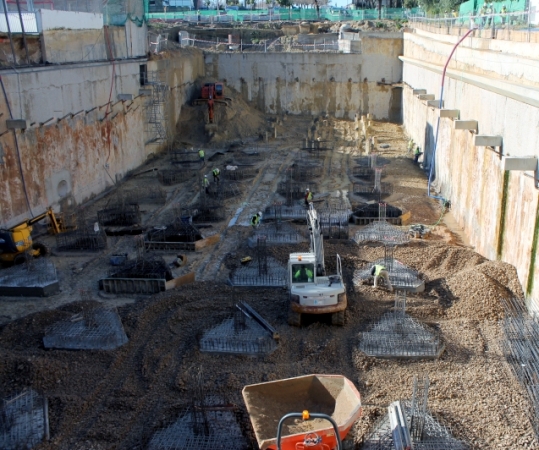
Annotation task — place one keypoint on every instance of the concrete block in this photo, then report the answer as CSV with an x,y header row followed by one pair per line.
x,y
419,91
465,124
482,140
16,124
145,92
426,97
125,97
451,113
435,103
514,163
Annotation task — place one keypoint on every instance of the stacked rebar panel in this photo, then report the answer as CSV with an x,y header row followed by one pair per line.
x,y
81,239
97,329
23,421
37,278
238,334
521,349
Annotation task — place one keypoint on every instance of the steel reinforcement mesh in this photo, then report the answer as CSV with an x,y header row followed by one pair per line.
x,y
400,336
334,222
218,430
295,190
239,173
276,233
238,335
382,231
97,329
22,421
81,240
121,215
278,212
40,272
171,177
177,231
400,276
371,190
206,211
150,267
273,275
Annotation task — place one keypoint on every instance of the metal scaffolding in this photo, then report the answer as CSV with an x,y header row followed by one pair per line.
x,y
24,421
97,329
521,350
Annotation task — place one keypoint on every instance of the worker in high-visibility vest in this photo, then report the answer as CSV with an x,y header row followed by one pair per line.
x,y
206,184
410,145
303,275
255,220
308,197
201,155
216,172
417,154
378,271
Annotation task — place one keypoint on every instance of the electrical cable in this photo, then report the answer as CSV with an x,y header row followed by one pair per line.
x,y
18,150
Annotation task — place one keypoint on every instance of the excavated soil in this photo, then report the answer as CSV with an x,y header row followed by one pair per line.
x,y
118,399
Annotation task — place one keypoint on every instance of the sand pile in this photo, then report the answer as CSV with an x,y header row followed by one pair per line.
x,y
238,120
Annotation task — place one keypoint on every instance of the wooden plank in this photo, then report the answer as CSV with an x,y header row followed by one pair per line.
x,y
207,242
405,218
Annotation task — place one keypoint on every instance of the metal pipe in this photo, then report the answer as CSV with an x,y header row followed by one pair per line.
x,y
440,107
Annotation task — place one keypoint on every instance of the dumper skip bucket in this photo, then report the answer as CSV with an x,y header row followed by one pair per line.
x,y
333,395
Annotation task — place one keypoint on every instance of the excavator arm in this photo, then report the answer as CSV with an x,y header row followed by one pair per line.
x,y
317,240
55,226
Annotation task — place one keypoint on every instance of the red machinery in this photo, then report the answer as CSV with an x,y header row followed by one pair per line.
x,y
210,94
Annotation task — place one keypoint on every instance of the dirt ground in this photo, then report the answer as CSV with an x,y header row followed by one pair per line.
x,y
118,399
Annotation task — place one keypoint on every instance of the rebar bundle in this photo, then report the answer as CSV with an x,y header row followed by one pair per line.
x,y
23,421
521,350
81,239
121,214
400,276
171,177
97,329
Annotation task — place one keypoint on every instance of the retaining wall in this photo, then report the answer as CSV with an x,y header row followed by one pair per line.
x,y
495,83
316,83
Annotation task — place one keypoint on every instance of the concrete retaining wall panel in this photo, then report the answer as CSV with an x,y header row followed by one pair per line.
x,y
312,83
72,20
473,177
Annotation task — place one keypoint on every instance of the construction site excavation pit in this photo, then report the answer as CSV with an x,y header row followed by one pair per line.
x,y
142,393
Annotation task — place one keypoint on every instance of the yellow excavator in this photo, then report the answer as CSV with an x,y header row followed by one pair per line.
x,y
16,242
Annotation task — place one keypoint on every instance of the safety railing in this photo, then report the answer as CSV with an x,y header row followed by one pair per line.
x,y
509,20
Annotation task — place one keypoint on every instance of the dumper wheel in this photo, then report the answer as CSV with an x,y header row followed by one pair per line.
x,y
19,259
40,249
294,319
338,318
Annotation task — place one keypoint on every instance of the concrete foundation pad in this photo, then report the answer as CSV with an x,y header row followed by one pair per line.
x,y
451,113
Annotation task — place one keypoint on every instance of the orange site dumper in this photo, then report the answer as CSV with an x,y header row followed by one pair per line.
x,y
311,398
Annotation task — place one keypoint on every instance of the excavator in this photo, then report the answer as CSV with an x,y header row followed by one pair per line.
x,y
210,94
16,242
311,290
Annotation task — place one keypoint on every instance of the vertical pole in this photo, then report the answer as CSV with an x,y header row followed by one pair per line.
x,y
47,435
9,34
24,34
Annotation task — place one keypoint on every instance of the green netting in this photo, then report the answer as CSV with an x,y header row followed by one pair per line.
x,y
474,8
118,12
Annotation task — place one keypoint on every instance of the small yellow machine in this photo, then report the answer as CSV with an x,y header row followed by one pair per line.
x,y
16,242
